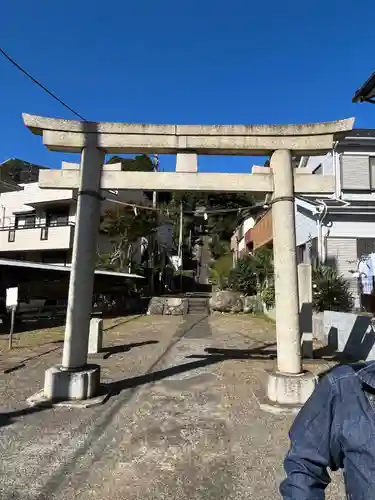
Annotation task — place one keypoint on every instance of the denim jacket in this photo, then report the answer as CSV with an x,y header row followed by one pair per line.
x,y
334,430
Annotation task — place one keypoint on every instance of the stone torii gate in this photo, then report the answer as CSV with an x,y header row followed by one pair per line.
x,y
74,379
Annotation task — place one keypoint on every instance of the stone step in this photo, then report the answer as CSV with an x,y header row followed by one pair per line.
x,y
197,305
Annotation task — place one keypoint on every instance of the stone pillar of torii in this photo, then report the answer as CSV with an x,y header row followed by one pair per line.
x,y
74,379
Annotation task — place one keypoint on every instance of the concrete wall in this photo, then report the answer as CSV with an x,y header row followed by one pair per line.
x,y
350,334
248,224
57,238
327,164
242,248
306,227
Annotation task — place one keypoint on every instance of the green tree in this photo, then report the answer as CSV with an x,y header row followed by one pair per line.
x,y
243,278
223,224
263,266
124,228
122,225
141,163
219,248
330,290
253,273
221,270
219,225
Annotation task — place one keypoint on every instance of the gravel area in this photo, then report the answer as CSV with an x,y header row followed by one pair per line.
x,y
182,421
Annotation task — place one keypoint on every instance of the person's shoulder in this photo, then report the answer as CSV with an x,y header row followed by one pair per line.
x,y
341,373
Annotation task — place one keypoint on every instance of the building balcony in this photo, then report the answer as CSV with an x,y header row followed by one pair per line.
x,y
261,234
36,237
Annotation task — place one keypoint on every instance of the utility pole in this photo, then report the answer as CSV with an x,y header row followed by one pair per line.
x,y
156,169
155,162
180,238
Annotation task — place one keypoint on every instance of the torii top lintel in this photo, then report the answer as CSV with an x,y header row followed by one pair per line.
x,y
72,136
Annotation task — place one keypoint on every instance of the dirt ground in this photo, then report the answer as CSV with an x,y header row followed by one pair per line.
x,y
182,420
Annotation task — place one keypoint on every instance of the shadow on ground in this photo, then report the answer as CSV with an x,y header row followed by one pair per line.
x,y
329,353
25,325
133,318
8,418
211,357
17,365
118,349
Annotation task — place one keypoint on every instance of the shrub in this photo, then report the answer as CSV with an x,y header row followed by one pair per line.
x,y
218,247
242,277
221,270
268,295
330,290
263,266
252,273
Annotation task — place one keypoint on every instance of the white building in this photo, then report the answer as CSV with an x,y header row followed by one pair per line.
x,y
338,229
38,224
342,225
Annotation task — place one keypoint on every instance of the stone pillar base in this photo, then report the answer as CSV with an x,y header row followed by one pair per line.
x,y
71,385
286,393
286,389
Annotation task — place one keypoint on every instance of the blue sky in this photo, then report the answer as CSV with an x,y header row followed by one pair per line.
x,y
206,61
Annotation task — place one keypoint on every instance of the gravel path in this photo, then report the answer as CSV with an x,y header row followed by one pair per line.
x,y
182,423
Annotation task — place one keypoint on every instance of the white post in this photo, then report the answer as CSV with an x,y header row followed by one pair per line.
x,y
285,260
83,261
180,243
306,311
96,336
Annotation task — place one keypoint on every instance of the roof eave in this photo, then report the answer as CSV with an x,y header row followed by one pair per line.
x,y
367,90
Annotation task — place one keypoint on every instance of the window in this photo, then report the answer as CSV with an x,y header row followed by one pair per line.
x,y
25,221
58,217
301,253
355,172
11,235
44,233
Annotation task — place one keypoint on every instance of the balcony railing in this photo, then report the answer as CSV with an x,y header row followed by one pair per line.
x,y
261,233
56,235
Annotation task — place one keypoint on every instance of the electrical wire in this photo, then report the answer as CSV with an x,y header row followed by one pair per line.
x,y
34,80
132,205
177,210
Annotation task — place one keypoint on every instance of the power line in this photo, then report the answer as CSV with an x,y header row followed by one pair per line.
x,y
15,63
167,210
133,205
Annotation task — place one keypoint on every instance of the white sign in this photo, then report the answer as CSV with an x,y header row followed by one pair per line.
x,y
176,262
12,297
